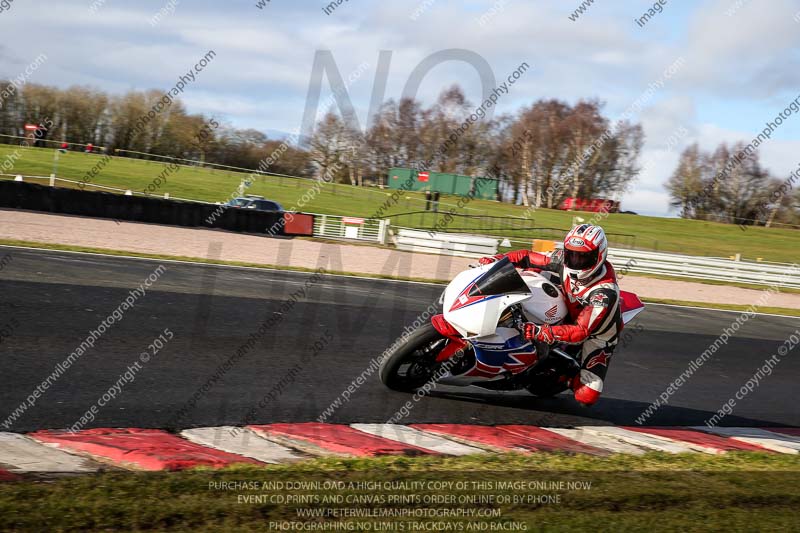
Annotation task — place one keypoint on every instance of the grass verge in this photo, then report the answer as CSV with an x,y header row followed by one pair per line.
x,y
655,233
543,492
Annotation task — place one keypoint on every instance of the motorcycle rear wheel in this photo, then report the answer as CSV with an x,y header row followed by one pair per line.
x,y
546,386
547,392
412,362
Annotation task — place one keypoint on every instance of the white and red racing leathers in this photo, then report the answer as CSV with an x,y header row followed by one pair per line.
x,y
594,318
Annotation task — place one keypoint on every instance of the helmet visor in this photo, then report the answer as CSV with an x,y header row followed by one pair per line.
x,y
580,260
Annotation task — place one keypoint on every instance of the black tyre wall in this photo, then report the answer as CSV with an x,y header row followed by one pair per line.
x,y
34,197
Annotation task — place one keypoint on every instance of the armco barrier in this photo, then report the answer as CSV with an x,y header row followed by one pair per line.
x,y
20,195
706,268
624,260
444,243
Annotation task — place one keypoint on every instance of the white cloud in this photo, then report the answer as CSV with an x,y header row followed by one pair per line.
x,y
752,53
261,74
646,202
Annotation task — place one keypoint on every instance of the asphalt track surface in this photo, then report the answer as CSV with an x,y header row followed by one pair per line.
x,y
57,298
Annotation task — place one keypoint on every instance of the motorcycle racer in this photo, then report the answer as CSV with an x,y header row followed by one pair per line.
x,y
590,287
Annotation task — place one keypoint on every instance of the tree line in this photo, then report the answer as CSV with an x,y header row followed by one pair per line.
x,y
85,115
723,186
541,154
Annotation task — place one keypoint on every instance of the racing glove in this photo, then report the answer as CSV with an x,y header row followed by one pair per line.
x,y
487,260
535,332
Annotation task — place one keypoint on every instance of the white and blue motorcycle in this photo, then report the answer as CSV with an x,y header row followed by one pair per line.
x,y
478,340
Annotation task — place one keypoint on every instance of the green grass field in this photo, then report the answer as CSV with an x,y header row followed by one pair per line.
x,y
673,235
541,492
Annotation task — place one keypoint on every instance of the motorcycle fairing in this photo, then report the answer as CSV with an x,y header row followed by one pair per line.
x,y
505,351
501,278
630,306
496,356
475,301
456,342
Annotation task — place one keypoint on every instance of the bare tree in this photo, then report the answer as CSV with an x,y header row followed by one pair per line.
x,y
686,184
327,145
709,186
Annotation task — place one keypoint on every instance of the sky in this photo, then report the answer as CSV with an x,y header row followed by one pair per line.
x,y
734,62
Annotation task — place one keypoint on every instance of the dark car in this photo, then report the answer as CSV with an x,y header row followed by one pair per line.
x,y
259,203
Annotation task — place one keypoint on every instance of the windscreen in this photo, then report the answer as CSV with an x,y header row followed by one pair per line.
x,y
500,279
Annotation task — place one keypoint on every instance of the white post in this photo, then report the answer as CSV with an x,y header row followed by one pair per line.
x,y
166,196
383,229
18,178
52,180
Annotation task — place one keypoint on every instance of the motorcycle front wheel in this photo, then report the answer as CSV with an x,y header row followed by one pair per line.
x,y
411,362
